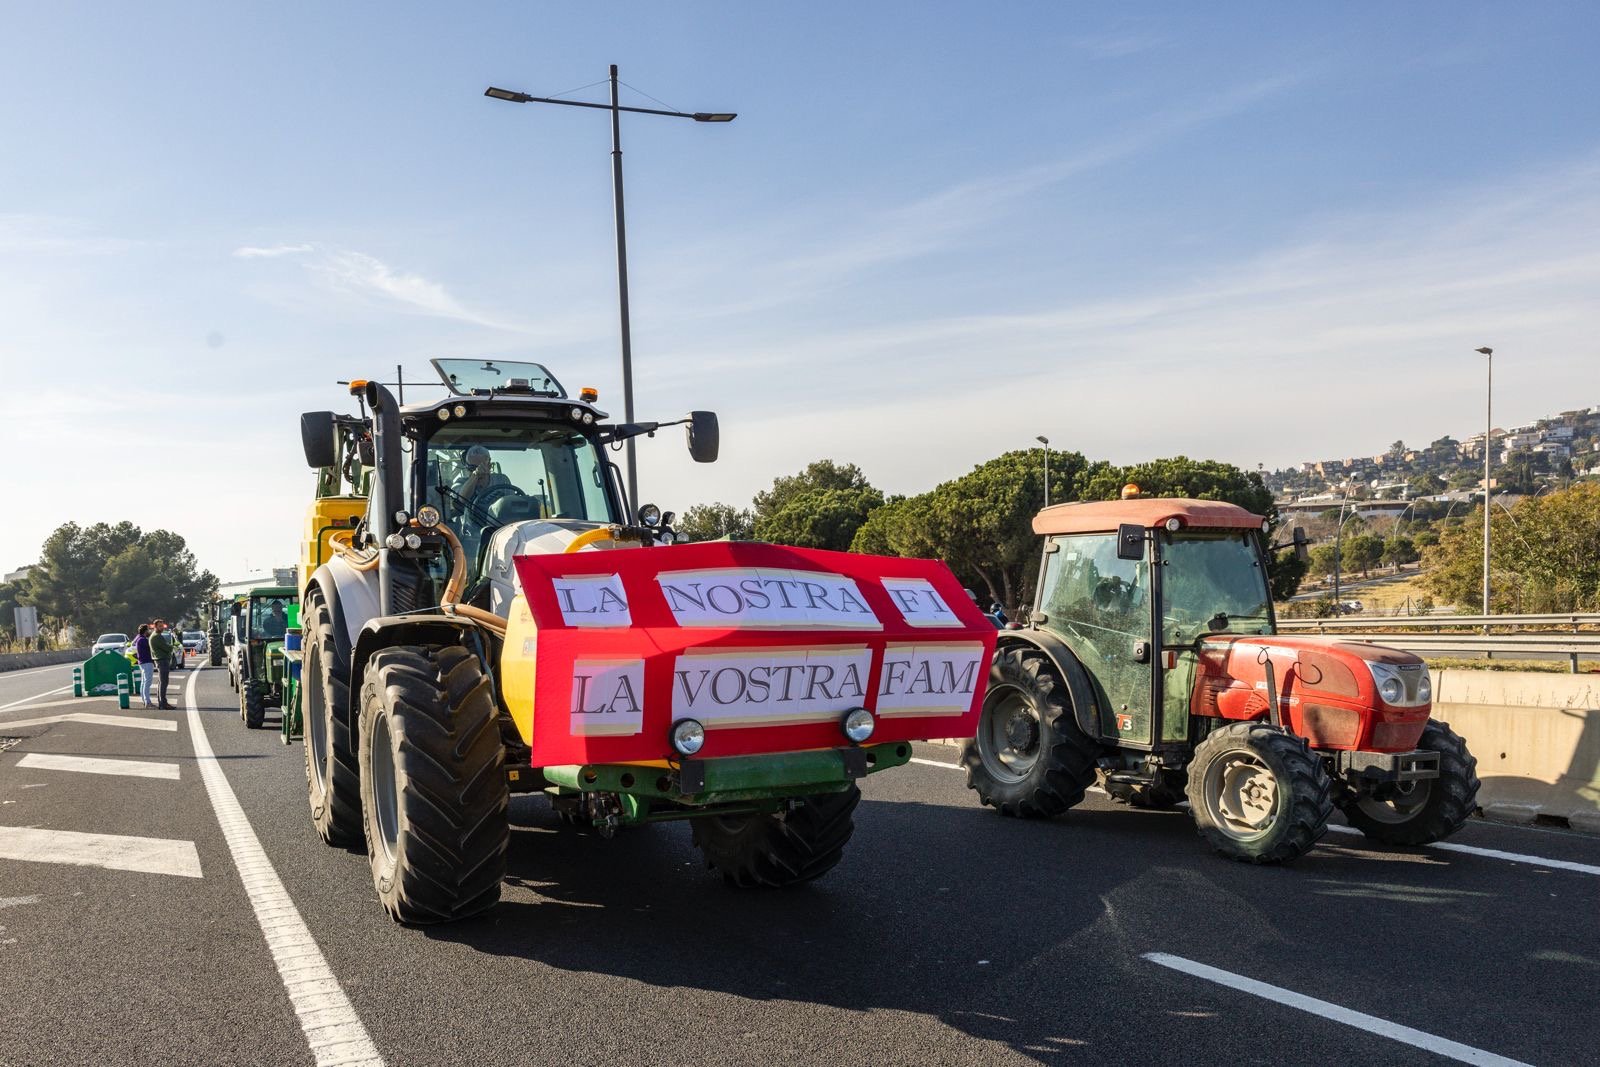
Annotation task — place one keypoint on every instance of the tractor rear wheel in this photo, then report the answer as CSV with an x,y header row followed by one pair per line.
x,y
1417,813
252,704
1258,793
1030,758
333,783
433,786
779,850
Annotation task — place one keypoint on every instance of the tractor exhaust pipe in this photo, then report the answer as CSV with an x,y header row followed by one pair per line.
x,y
388,484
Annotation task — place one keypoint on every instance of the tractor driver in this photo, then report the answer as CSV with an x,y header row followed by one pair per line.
x,y
477,489
274,625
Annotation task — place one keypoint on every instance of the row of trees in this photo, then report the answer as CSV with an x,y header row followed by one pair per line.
x,y
980,524
1544,555
105,578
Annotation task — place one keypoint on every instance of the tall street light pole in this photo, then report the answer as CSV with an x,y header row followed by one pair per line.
x,y
616,110
1488,438
1046,442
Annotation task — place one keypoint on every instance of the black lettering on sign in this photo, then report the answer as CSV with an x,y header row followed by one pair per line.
x,y
731,694
894,670
674,593
609,598
906,598
852,683
753,595
951,684
922,677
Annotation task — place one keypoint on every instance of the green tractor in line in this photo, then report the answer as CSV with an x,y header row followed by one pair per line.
x,y
257,666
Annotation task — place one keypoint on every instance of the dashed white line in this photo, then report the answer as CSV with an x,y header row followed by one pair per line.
x,y
332,1029
1372,1024
132,768
148,855
97,720
36,696
1497,854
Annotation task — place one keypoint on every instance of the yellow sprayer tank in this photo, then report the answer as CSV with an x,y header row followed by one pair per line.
x,y
326,516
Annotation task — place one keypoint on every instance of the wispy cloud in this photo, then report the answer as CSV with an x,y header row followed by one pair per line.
x,y
250,252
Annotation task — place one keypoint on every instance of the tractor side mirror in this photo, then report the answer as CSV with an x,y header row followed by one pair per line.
x,y
317,438
1302,547
704,436
1130,541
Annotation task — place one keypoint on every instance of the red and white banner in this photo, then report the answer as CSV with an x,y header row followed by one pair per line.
x,y
766,646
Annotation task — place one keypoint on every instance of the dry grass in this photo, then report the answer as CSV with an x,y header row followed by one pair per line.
x,y
1542,666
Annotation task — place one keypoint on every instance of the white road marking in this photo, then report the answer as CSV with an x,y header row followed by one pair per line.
x,y
149,855
92,765
12,902
97,720
35,670
1497,854
1360,1020
36,696
333,1031
959,767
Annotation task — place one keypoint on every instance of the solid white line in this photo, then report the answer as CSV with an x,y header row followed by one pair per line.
x,y
4,675
1360,1020
36,696
327,1018
92,765
959,767
1497,854
97,720
150,855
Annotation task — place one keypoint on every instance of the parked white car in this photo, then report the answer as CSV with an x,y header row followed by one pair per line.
x,y
108,643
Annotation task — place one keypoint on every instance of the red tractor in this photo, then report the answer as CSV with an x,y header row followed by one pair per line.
x,y
1152,665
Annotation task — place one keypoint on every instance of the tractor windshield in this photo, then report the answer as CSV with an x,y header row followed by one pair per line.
x,y
268,619
1212,583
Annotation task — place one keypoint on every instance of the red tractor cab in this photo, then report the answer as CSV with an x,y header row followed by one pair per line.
x,y
1152,664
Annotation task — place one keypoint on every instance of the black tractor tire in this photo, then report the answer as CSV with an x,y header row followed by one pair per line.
x,y
333,782
1043,762
779,850
433,785
214,653
1258,793
1163,794
252,704
1429,810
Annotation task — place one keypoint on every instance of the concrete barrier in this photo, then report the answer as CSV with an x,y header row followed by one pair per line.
x,y
16,661
1536,737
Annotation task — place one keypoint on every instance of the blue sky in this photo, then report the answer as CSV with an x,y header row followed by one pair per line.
x,y
1253,232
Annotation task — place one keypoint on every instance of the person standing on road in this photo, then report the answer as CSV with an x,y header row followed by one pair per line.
x,y
147,666
161,652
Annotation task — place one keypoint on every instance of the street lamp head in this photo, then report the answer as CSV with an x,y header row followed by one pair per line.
x,y
1043,441
1485,351
507,94
715,116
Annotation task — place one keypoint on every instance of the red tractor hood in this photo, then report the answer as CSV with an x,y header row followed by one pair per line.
x,y
1326,690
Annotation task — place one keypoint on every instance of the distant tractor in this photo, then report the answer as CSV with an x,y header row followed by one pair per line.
x,y
1153,665
254,642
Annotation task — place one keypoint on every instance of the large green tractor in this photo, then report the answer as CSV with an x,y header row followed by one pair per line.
x,y
254,643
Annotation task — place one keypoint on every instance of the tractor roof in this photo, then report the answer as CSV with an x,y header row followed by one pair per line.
x,y
1104,516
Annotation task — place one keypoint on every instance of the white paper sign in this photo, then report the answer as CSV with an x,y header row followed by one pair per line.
x,y
766,598
918,603
929,679
607,697
592,600
768,686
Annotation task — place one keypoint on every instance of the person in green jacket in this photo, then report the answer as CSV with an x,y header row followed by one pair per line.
x,y
161,642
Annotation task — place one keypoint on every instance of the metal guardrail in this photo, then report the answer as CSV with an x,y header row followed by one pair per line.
x,y
1525,635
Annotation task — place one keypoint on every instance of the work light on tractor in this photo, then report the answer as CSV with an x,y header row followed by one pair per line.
x,y
1152,666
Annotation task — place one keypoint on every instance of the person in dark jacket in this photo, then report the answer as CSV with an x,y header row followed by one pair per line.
x,y
147,666
161,643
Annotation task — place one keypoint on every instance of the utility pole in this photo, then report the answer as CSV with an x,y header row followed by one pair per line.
x,y
1488,439
1046,442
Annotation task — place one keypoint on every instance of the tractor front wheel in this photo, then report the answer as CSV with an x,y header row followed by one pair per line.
x,y
779,850
433,784
1258,793
333,783
1030,758
1417,813
252,705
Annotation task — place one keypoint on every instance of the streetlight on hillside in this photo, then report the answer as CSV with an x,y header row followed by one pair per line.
x,y
616,110
1488,440
1046,442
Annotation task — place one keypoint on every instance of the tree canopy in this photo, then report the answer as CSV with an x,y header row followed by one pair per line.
x,y
1544,555
110,578
821,507
709,522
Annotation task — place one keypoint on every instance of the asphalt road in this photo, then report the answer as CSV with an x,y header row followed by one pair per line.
x,y
948,935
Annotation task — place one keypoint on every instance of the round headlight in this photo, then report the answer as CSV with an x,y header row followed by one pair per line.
x,y
688,736
588,418
428,515
413,541
1392,691
649,515
444,414
858,724
401,518
1266,525
577,414
1174,524
395,540
1425,688
461,411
